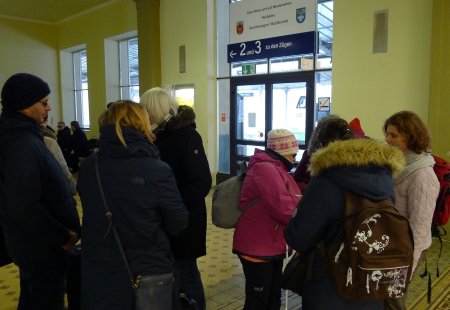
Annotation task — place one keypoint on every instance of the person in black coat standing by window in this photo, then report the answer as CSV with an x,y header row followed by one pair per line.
x,y
78,146
63,137
181,147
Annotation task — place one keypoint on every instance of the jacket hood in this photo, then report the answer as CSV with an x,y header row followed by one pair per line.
x,y
12,120
363,166
185,116
137,143
268,155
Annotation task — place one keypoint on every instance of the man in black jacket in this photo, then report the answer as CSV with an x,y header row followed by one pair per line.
x,y
63,137
37,211
78,146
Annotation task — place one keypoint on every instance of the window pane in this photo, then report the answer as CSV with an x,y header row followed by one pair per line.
x,y
325,30
292,63
129,69
323,91
81,89
131,93
185,96
133,61
289,109
247,150
251,116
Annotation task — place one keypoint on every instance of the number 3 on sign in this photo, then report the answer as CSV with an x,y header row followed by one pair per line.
x,y
243,46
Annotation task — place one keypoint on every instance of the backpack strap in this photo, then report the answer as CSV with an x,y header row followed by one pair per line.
x,y
243,167
248,205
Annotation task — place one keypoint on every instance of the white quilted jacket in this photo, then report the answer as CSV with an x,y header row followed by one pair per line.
x,y
416,199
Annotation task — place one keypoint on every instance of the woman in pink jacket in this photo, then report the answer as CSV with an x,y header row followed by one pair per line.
x,y
258,237
417,187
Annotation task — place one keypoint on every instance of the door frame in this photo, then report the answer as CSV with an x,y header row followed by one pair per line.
x,y
268,80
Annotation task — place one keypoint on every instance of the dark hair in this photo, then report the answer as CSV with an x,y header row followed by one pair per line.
x,y
333,130
417,135
75,124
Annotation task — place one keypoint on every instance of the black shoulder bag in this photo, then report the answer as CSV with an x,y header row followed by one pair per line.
x,y
151,291
299,267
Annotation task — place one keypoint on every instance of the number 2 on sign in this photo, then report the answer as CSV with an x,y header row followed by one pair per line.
x,y
257,51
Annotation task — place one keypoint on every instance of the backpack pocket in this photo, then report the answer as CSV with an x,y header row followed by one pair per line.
x,y
383,276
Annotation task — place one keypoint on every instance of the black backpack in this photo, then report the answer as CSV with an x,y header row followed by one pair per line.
x,y
92,145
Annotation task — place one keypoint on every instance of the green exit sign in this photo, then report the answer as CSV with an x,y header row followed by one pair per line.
x,y
249,69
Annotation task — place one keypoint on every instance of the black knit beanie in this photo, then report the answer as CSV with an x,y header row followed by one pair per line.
x,y
22,90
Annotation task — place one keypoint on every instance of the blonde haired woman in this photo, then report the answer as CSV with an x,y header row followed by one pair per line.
x,y
181,147
146,208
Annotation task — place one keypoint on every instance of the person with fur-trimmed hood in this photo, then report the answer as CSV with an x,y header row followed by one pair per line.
x,y
362,166
181,146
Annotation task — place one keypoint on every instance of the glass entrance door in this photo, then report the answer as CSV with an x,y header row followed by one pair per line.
x,y
260,104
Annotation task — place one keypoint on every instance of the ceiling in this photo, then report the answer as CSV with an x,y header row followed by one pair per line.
x,y
51,11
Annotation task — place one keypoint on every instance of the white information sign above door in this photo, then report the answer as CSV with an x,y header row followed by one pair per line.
x,y
255,20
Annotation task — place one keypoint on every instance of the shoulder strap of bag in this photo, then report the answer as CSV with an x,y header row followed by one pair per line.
x,y
109,216
243,167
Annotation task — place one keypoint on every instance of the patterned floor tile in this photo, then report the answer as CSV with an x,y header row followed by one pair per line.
x,y
224,281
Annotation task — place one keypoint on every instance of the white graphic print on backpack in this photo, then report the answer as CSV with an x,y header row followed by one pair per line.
x,y
394,278
372,255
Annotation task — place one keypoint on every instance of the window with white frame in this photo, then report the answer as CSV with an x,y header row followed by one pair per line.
x,y
184,94
80,87
129,69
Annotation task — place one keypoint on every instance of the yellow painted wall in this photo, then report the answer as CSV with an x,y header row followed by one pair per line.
x,y
374,86
31,47
192,25
91,29
439,118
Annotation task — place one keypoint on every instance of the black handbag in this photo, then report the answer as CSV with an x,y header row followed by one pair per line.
x,y
188,303
152,291
298,268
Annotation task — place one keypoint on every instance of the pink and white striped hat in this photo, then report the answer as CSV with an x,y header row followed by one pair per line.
x,y
282,141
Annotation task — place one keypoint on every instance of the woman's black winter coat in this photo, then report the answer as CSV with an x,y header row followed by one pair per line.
x,y
146,207
181,147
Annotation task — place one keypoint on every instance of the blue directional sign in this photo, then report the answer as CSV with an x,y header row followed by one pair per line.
x,y
293,44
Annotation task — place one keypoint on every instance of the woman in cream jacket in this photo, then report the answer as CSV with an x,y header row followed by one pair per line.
x,y
417,187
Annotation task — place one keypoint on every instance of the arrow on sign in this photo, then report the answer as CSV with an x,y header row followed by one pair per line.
x,y
232,54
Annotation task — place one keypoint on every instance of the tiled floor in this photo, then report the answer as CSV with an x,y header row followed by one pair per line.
x,y
221,270
221,273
